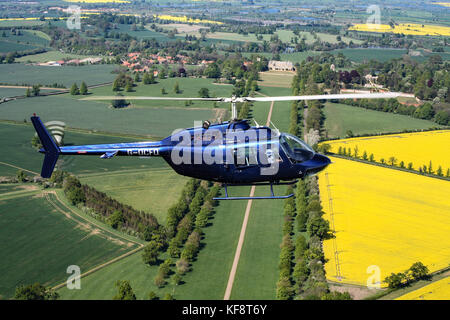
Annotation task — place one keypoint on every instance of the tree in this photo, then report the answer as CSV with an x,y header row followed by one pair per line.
x,y
152,296
125,292
36,89
28,92
392,161
176,279
159,280
336,295
168,296
116,86
395,280
284,289
182,266
74,90
35,292
10,58
418,271
129,87
203,93
116,219
163,91
320,227
119,103
83,89
21,176
176,88
212,71
150,253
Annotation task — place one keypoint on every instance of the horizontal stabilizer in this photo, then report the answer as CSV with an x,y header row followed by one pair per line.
x,y
109,155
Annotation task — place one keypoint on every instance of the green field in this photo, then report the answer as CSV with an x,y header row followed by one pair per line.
x,y
208,279
16,143
341,117
50,56
257,272
39,243
99,116
18,73
151,191
361,55
189,88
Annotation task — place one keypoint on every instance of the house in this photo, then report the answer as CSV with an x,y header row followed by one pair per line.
x,y
281,65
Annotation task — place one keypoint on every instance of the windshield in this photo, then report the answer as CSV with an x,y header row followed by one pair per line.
x,y
296,149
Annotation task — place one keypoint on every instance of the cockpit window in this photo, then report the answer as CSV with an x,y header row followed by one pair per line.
x,y
296,149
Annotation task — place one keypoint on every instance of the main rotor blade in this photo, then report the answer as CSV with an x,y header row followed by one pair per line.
x,y
151,98
384,95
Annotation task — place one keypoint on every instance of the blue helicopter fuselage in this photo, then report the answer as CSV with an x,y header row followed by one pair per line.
x,y
229,152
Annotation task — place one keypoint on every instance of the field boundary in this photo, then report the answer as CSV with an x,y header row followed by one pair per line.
x,y
10,165
389,167
105,264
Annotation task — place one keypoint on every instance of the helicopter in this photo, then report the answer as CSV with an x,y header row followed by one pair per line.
x,y
233,152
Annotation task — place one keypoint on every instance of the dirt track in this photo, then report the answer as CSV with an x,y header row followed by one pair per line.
x,y
243,229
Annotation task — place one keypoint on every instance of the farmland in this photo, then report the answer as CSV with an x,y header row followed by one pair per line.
x,y
383,217
210,270
404,28
439,290
18,153
50,56
141,188
99,116
419,148
276,79
45,256
65,75
339,118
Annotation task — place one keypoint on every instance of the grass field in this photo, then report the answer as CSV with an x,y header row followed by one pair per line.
x,y
418,148
383,217
339,118
439,290
50,56
210,270
361,55
18,73
99,116
16,143
151,191
39,243
276,79
257,272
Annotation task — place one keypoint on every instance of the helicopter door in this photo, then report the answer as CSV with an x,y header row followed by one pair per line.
x,y
245,160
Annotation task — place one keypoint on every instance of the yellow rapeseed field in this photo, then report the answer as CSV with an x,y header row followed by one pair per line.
x,y
439,290
444,4
418,148
404,28
384,218
99,1
185,19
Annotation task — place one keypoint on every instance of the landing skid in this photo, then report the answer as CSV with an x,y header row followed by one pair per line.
x,y
272,196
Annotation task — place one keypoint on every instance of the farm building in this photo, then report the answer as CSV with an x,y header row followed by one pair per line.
x,y
281,65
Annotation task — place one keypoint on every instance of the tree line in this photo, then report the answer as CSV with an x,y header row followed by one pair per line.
x,y
302,273
392,161
116,214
